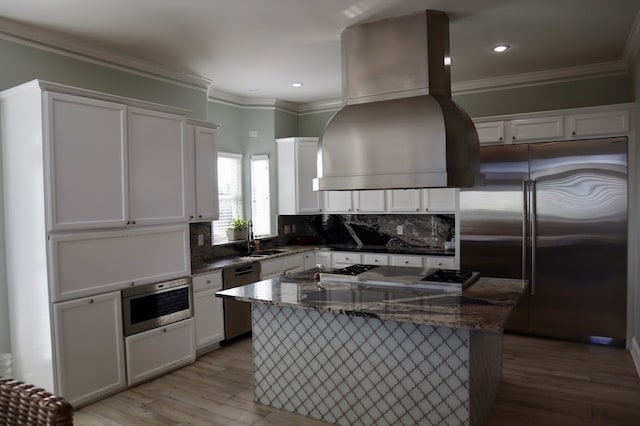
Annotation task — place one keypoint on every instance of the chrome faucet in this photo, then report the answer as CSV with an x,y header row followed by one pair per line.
x,y
250,237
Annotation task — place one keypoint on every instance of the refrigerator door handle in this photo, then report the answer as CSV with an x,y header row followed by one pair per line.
x,y
525,221
532,223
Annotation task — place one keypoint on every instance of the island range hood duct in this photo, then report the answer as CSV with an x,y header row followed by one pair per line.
x,y
399,127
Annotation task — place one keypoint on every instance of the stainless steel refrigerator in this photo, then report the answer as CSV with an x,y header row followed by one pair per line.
x,y
556,214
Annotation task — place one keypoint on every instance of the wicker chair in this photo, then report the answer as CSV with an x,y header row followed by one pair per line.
x,y
23,404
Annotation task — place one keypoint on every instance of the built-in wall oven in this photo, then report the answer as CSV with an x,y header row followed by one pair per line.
x,y
154,305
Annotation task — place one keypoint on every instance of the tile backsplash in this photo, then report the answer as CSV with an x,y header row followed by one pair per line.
x,y
417,231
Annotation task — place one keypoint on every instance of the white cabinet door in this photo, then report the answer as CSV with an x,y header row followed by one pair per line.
x,y
338,201
440,200
323,258
535,129
157,167
406,260
271,268
490,132
375,259
86,147
292,264
403,200
309,260
296,170
612,123
89,347
157,351
209,319
96,262
372,201
308,200
206,164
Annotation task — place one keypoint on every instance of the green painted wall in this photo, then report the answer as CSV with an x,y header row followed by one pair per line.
x,y
312,124
22,63
286,124
545,97
571,94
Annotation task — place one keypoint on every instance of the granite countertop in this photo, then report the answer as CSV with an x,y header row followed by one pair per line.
x,y
215,264
485,305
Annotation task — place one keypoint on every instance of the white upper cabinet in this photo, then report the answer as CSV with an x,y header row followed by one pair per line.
x,y
490,132
371,201
296,171
440,200
613,122
202,171
403,200
85,141
157,167
338,201
532,129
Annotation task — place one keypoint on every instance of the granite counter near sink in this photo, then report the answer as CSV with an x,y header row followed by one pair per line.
x,y
204,266
348,353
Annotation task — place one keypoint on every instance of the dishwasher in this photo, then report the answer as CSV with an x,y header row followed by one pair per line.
x,y
237,315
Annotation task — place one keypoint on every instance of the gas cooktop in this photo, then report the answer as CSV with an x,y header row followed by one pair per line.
x,y
431,278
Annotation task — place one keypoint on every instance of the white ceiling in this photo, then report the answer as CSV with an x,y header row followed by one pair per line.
x,y
257,48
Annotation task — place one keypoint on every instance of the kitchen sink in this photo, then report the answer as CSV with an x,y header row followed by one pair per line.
x,y
263,253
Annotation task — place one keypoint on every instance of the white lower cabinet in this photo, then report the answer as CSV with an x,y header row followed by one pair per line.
x,y
323,258
309,260
162,349
89,347
286,265
208,310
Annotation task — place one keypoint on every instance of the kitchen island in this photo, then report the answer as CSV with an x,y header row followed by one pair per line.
x,y
351,353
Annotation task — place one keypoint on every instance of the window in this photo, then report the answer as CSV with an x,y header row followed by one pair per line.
x,y
260,202
229,194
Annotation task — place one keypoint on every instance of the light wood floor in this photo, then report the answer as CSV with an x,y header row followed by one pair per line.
x,y
544,383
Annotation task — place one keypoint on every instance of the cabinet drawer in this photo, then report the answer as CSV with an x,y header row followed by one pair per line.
x,y
375,259
398,260
211,281
156,351
341,259
441,262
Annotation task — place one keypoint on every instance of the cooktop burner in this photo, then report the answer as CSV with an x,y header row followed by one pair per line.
x,y
354,269
448,276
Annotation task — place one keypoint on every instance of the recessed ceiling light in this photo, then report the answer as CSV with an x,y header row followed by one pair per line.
x,y
501,48
297,84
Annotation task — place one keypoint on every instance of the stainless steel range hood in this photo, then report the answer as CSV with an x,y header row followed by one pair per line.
x,y
399,127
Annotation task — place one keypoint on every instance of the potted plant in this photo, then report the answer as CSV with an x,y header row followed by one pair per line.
x,y
237,230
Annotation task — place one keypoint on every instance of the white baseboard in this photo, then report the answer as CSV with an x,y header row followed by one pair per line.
x,y
635,354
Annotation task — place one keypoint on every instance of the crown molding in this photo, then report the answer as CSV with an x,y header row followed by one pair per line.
x,y
248,102
541,77
320,106
63,45
632,46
